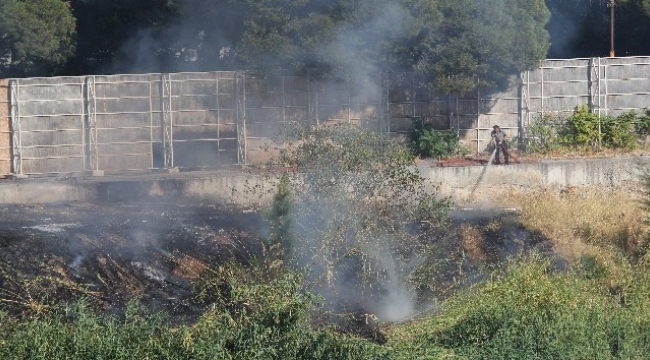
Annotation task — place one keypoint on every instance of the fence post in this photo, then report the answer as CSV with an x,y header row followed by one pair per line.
x,y
90,127
386,116
17,158
520,112
240,113
166,124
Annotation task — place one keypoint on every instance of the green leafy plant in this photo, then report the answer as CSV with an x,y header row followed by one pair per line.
x,y
280,221
582,128
619,132
542,136
424,141
642,124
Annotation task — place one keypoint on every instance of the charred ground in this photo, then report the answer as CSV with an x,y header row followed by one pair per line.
x,y
112,253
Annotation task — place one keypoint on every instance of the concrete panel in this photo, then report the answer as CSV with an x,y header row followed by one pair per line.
x,y
5,128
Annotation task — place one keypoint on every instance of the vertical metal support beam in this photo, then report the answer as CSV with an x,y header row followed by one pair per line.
x,y
591,69
457,116
599,88
606,90
218,119
92,153
240,113
528,100
151,126
285,127
349,101
14,99
312,101
317,102
520,111
166,120
384,110
413,93
478,116
450,113
541,84
309,105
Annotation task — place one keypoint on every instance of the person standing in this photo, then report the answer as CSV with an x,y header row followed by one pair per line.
x,y
499,139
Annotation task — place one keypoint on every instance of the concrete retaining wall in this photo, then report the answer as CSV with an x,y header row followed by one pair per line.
x,y
460,182
235,187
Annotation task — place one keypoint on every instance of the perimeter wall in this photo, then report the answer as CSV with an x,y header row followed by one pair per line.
x,y
142,122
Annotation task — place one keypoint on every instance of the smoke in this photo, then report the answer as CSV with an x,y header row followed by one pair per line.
x,y
398,302
210,38
351,49
566,23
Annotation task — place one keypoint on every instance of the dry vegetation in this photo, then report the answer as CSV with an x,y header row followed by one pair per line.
x,y
584,220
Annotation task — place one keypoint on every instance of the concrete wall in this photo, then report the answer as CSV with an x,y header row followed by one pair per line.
x,y
143,122
227,187
460,182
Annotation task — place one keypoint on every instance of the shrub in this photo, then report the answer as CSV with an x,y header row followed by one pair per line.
x,y
356,199
424,141
582,128
619,132
542,136
280,222
642,125
261,321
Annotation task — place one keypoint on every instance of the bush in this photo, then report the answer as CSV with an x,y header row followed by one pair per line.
x,y
261,321
357,199
424,141
642,125
542,137
532,312
582,128
619,132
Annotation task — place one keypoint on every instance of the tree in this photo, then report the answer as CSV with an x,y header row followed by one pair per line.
x,y
581,28
125,36
483,43
36,37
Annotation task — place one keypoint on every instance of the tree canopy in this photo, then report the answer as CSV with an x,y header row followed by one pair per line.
x,y
459,43
36,37
581,28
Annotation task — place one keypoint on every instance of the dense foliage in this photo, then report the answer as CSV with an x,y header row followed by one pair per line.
x,y
425,141
36,37
361,219
585,130
459,44
581,28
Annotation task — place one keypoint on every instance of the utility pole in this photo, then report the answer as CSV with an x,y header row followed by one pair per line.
x,y
611,4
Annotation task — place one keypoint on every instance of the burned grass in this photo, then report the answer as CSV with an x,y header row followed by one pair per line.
x,y
111,254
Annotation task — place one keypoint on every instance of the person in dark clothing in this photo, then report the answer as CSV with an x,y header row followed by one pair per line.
x,y
499,139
